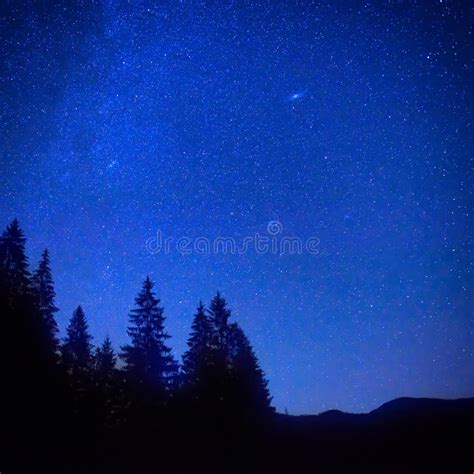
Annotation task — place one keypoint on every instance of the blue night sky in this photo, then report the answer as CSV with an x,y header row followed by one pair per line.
x,y
344,121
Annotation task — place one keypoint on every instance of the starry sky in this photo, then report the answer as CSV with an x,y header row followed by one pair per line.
x,y
344,121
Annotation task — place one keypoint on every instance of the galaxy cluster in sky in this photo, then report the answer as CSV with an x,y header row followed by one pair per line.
x,y
346,122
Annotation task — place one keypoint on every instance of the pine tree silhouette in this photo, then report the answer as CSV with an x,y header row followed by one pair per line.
x,y
77,347
148,360
44,293
34,389
219,389
198,356
231,371
251,386
76,357
13,260
105,360
219,315
109,390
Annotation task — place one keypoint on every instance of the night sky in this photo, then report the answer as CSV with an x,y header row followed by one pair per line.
x,y
347,122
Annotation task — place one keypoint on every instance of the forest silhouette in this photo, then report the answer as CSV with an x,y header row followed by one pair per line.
x,y
73,407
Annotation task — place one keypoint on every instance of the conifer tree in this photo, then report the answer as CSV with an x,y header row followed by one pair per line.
x,y
219,390
34,387
148,360
197,357
252,387
77,347
219,315
77,359
44,294
237,382
13,260
105,360
108,389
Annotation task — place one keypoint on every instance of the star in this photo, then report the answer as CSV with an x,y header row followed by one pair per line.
x,y
179,133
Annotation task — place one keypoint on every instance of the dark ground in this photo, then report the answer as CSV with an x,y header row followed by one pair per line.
x,y
404,435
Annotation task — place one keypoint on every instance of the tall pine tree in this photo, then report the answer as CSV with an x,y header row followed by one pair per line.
x,y
198,355
252,394
44,294
219,315
77,359
105,360
236,381
13,260
148,360
220,389
31,367
77,348
108,388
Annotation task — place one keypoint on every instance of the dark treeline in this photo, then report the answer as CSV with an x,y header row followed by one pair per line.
x,y
70,407
68,389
